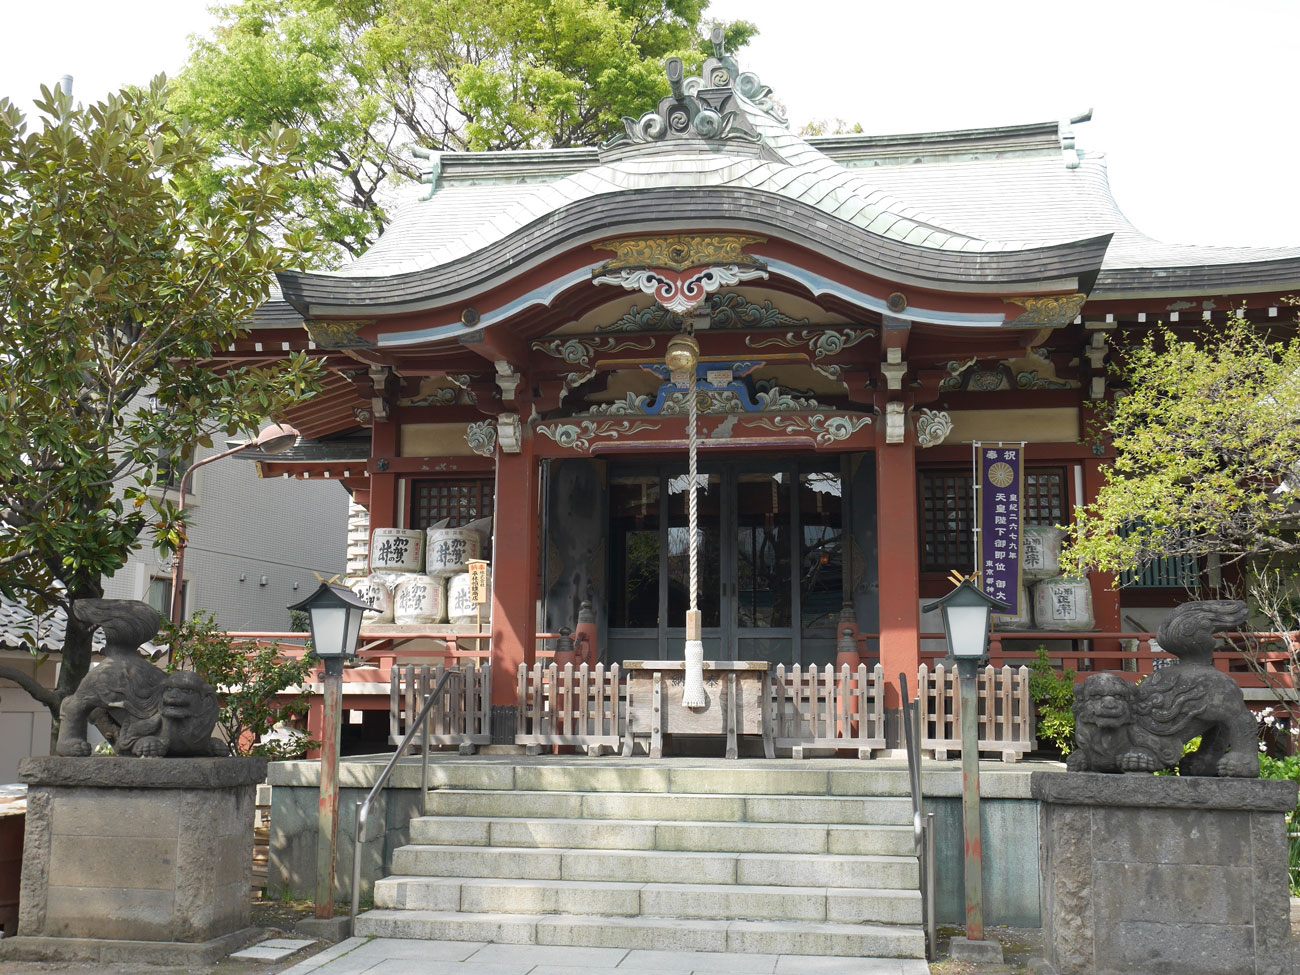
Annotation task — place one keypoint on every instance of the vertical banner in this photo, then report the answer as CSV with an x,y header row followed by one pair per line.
x,y
999,522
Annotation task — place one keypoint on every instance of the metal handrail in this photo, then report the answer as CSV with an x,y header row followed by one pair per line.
x,y
922,822
420,725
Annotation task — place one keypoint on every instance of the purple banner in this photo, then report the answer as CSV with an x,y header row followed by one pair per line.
x,y
1000,494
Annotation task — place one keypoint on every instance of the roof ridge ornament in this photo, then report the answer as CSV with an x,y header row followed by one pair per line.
x,y
703,107
721,71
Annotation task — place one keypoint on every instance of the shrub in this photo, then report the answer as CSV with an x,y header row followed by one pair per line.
x,y
249,679
1053,695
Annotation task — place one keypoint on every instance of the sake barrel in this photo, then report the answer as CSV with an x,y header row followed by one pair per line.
x,y
460,607
1063,604
1040,551
1023,620
420,599
450,549
375,591
396,550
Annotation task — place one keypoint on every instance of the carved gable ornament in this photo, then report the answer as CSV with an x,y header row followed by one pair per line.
x,y
339,334
1047,310
681,270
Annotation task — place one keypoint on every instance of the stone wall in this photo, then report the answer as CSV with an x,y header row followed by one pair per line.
x,y
128,849
1164,875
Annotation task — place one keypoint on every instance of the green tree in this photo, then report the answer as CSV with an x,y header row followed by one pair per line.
x,y
1207,445
366,81
257,685
113,293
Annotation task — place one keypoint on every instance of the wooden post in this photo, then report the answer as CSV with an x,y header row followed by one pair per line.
x,y
900,589
970,799
327,812
383,484
514,577
1105,594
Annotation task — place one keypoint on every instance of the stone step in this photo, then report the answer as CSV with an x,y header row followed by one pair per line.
x,y
625,834
654,933
706,901
659,866
686,807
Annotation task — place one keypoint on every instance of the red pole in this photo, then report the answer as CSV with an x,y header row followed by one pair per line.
x,y
327,813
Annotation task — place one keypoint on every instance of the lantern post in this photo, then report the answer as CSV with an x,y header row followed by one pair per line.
x,y
335,614
967,613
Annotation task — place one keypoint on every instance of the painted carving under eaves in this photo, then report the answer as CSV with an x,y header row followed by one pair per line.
x,y
726,310
1033,371
737,397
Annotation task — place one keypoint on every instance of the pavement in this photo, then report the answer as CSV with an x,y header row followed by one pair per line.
x,y
391,956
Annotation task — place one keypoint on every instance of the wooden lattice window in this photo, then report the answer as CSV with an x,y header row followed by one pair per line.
x,y
947,513
1045,497
459,501
946,521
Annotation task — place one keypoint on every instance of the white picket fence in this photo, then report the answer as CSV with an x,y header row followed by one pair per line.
x,y
462,718
586,708
806,710
1006,711
812,709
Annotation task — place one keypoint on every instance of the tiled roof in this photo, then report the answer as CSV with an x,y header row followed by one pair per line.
x,y
969,192
16,622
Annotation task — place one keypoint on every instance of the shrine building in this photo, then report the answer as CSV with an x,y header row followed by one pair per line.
x,y
866,309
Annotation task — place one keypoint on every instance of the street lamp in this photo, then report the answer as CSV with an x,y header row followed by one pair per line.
x,y
275,439
966,616
334,613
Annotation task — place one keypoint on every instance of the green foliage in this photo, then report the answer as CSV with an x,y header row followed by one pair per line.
x,y
1053,695
249,679
1287,769
1203,440
113,290
366,80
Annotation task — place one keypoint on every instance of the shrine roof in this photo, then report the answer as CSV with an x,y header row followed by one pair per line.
x,y
1004,205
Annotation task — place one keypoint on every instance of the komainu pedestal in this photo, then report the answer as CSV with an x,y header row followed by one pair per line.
x,y
1164,875
136,860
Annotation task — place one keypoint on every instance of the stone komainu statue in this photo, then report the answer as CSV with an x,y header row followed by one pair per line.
x,y
1120,727
140,709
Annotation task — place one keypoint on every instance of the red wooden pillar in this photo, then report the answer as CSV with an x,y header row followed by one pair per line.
x,y
383,483
514,580
1105,593
900,583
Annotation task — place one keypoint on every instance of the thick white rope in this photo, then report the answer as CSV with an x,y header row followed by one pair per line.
x,y
693,692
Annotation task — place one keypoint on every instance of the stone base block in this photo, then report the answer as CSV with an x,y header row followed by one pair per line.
x,y
124,850
107,951
325,928
980,952
1164,875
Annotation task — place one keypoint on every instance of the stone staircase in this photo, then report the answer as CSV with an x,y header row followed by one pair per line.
x,y
767,859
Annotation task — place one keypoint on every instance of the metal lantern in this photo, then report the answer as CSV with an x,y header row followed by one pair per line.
x,y
335,614
967,611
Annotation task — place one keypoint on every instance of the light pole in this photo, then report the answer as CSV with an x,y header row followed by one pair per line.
x,y
335,615
275,439
966,616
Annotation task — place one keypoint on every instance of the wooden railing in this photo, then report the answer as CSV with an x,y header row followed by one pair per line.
x,y
463,715
584,708
815,709
1006,711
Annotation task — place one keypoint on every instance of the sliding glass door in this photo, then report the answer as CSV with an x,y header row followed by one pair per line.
x,y
770,560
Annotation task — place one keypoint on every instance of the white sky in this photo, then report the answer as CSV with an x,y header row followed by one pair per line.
x,y
1195,102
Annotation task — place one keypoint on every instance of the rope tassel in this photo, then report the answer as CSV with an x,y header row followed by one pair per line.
x,y
693,692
